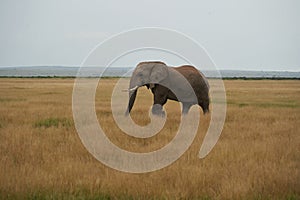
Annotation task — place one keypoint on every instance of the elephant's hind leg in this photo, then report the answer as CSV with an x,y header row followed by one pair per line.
x,y
186,107
157,110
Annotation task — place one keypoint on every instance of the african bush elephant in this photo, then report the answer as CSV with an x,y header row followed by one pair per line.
x,y
160,78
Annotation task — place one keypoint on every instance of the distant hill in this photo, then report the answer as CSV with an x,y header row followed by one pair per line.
x,y
62,71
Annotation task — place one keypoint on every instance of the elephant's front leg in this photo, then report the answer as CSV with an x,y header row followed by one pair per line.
x,y
159,100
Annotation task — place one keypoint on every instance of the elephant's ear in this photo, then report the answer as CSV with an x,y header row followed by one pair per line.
x,y
158,73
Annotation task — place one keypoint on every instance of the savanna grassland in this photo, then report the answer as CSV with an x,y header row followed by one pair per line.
x,y
256,157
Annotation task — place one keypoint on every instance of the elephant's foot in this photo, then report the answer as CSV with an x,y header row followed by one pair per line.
x,y
157,110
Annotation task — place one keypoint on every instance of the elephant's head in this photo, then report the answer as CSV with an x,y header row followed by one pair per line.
x,y
146,73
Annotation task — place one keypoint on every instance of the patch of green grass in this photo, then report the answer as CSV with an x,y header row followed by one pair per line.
x,y
292,196
18,88
49,93
53,122
47,195
280,105
265,104
266,197
80,194
204,198
11,99
53,196
243,104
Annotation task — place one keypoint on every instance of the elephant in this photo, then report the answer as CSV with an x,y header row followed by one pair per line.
x,y
159,78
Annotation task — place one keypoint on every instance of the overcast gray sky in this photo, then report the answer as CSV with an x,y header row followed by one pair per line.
x,y
249,35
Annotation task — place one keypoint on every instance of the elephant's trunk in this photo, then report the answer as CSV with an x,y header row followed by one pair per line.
x,y
132,96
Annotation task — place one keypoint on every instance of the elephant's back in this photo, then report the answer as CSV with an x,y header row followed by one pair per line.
x,y
194,76
197,80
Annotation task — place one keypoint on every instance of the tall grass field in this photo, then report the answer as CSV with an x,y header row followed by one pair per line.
x,y
42,157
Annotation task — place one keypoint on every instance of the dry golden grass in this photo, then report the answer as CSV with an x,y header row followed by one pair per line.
x,y
256,157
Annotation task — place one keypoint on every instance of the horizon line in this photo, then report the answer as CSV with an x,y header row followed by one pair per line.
x,y
127,66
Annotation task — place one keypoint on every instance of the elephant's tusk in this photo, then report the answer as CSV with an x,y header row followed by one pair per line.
x,y
130,90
